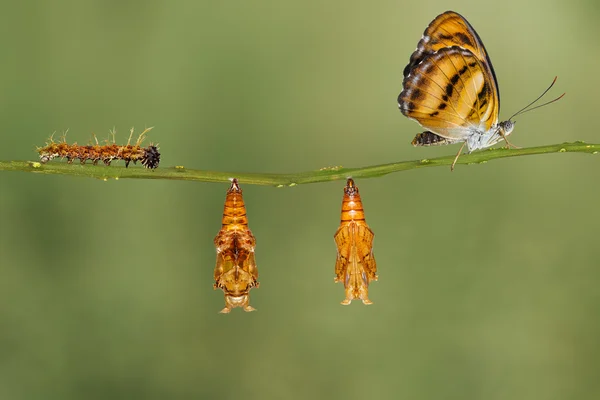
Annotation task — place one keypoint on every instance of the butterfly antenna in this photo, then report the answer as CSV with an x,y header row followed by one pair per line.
x,y
545,104
527,109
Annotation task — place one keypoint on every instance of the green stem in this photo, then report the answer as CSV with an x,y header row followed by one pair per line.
x,y
281,180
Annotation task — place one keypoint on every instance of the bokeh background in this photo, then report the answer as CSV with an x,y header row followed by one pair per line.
x,y
488,276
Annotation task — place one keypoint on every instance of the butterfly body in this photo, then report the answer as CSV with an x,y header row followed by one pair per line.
x,y
450,87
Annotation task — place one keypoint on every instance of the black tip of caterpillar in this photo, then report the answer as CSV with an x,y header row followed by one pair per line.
x,y
151,157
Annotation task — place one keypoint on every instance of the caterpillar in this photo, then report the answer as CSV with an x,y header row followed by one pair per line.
x,y
148,156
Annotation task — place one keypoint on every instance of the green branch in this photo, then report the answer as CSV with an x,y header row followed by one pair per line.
x,y
281,180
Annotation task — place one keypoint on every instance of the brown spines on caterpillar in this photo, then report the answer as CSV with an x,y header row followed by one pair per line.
x,y
148,156
235,271
355,264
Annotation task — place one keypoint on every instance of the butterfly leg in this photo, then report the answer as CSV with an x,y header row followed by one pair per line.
x,y
457,155
509,145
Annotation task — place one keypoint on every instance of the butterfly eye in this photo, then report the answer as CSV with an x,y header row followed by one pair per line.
x,y
507,126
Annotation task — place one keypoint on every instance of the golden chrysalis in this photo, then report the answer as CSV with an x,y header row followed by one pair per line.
x,y
355,265
235,272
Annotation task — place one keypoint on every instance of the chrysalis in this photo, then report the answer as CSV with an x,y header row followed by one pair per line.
x,y
355,265
235,272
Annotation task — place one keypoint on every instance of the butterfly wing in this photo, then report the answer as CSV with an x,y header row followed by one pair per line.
x,y
450,93
449,84
447,30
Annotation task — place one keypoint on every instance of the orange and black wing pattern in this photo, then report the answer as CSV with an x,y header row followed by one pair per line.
x,y
449,84
235,272
355,265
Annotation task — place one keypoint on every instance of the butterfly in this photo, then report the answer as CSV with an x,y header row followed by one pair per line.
x,y
450,88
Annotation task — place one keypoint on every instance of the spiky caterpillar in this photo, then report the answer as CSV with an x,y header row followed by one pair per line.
x,y
148,156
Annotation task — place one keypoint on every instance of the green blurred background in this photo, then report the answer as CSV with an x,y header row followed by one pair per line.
x,y
487,276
